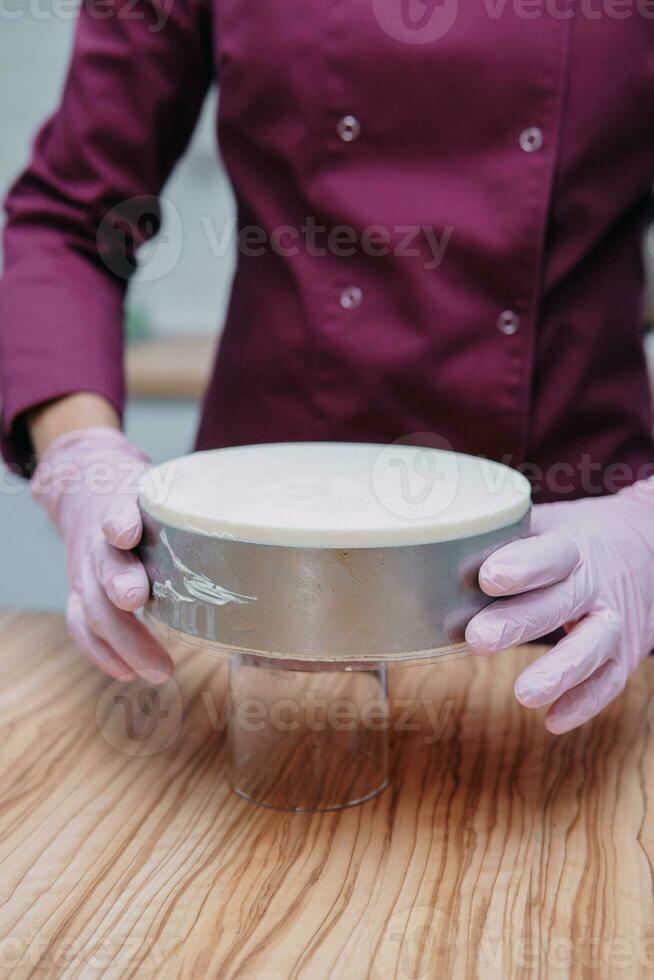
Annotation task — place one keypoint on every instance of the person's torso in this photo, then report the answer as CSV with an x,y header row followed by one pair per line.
x,y
449,203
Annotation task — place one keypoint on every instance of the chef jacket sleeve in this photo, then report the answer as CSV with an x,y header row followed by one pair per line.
x,y
136,83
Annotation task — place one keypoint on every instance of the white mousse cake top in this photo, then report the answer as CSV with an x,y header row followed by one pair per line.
x,y
335,495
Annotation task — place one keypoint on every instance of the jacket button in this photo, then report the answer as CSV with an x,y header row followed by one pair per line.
x,y
531,139
349,128
351,298
508,322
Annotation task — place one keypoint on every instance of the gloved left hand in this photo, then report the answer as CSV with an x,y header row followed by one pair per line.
x,y
87,482
589,567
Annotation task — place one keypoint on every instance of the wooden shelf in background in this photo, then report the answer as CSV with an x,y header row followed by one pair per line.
x,y
174,367
170,367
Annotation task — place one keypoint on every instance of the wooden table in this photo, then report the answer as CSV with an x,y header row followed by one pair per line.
x,y
500,851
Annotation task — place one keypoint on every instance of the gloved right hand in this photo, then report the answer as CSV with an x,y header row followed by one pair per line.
x,y
87,483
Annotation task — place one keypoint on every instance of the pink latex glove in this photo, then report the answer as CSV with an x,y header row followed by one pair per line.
x,y
87,483
588,567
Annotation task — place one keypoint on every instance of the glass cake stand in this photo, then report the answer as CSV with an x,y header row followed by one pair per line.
x,y
305,735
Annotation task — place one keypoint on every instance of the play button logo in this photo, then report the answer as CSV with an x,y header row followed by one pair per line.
x,y
416,21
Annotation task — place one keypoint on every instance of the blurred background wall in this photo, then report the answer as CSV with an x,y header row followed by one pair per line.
x,y
34,54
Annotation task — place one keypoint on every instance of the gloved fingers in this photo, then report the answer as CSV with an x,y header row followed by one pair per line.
x,y
508,622
124,634
593,642
99,652
528,564
121,575
583,702
122,525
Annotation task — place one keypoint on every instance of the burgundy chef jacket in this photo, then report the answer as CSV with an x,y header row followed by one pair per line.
x,y
522,145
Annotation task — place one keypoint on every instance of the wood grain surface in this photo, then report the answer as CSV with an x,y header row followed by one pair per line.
x,y
499,851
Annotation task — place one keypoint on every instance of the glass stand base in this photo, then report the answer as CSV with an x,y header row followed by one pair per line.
x,y
307,741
